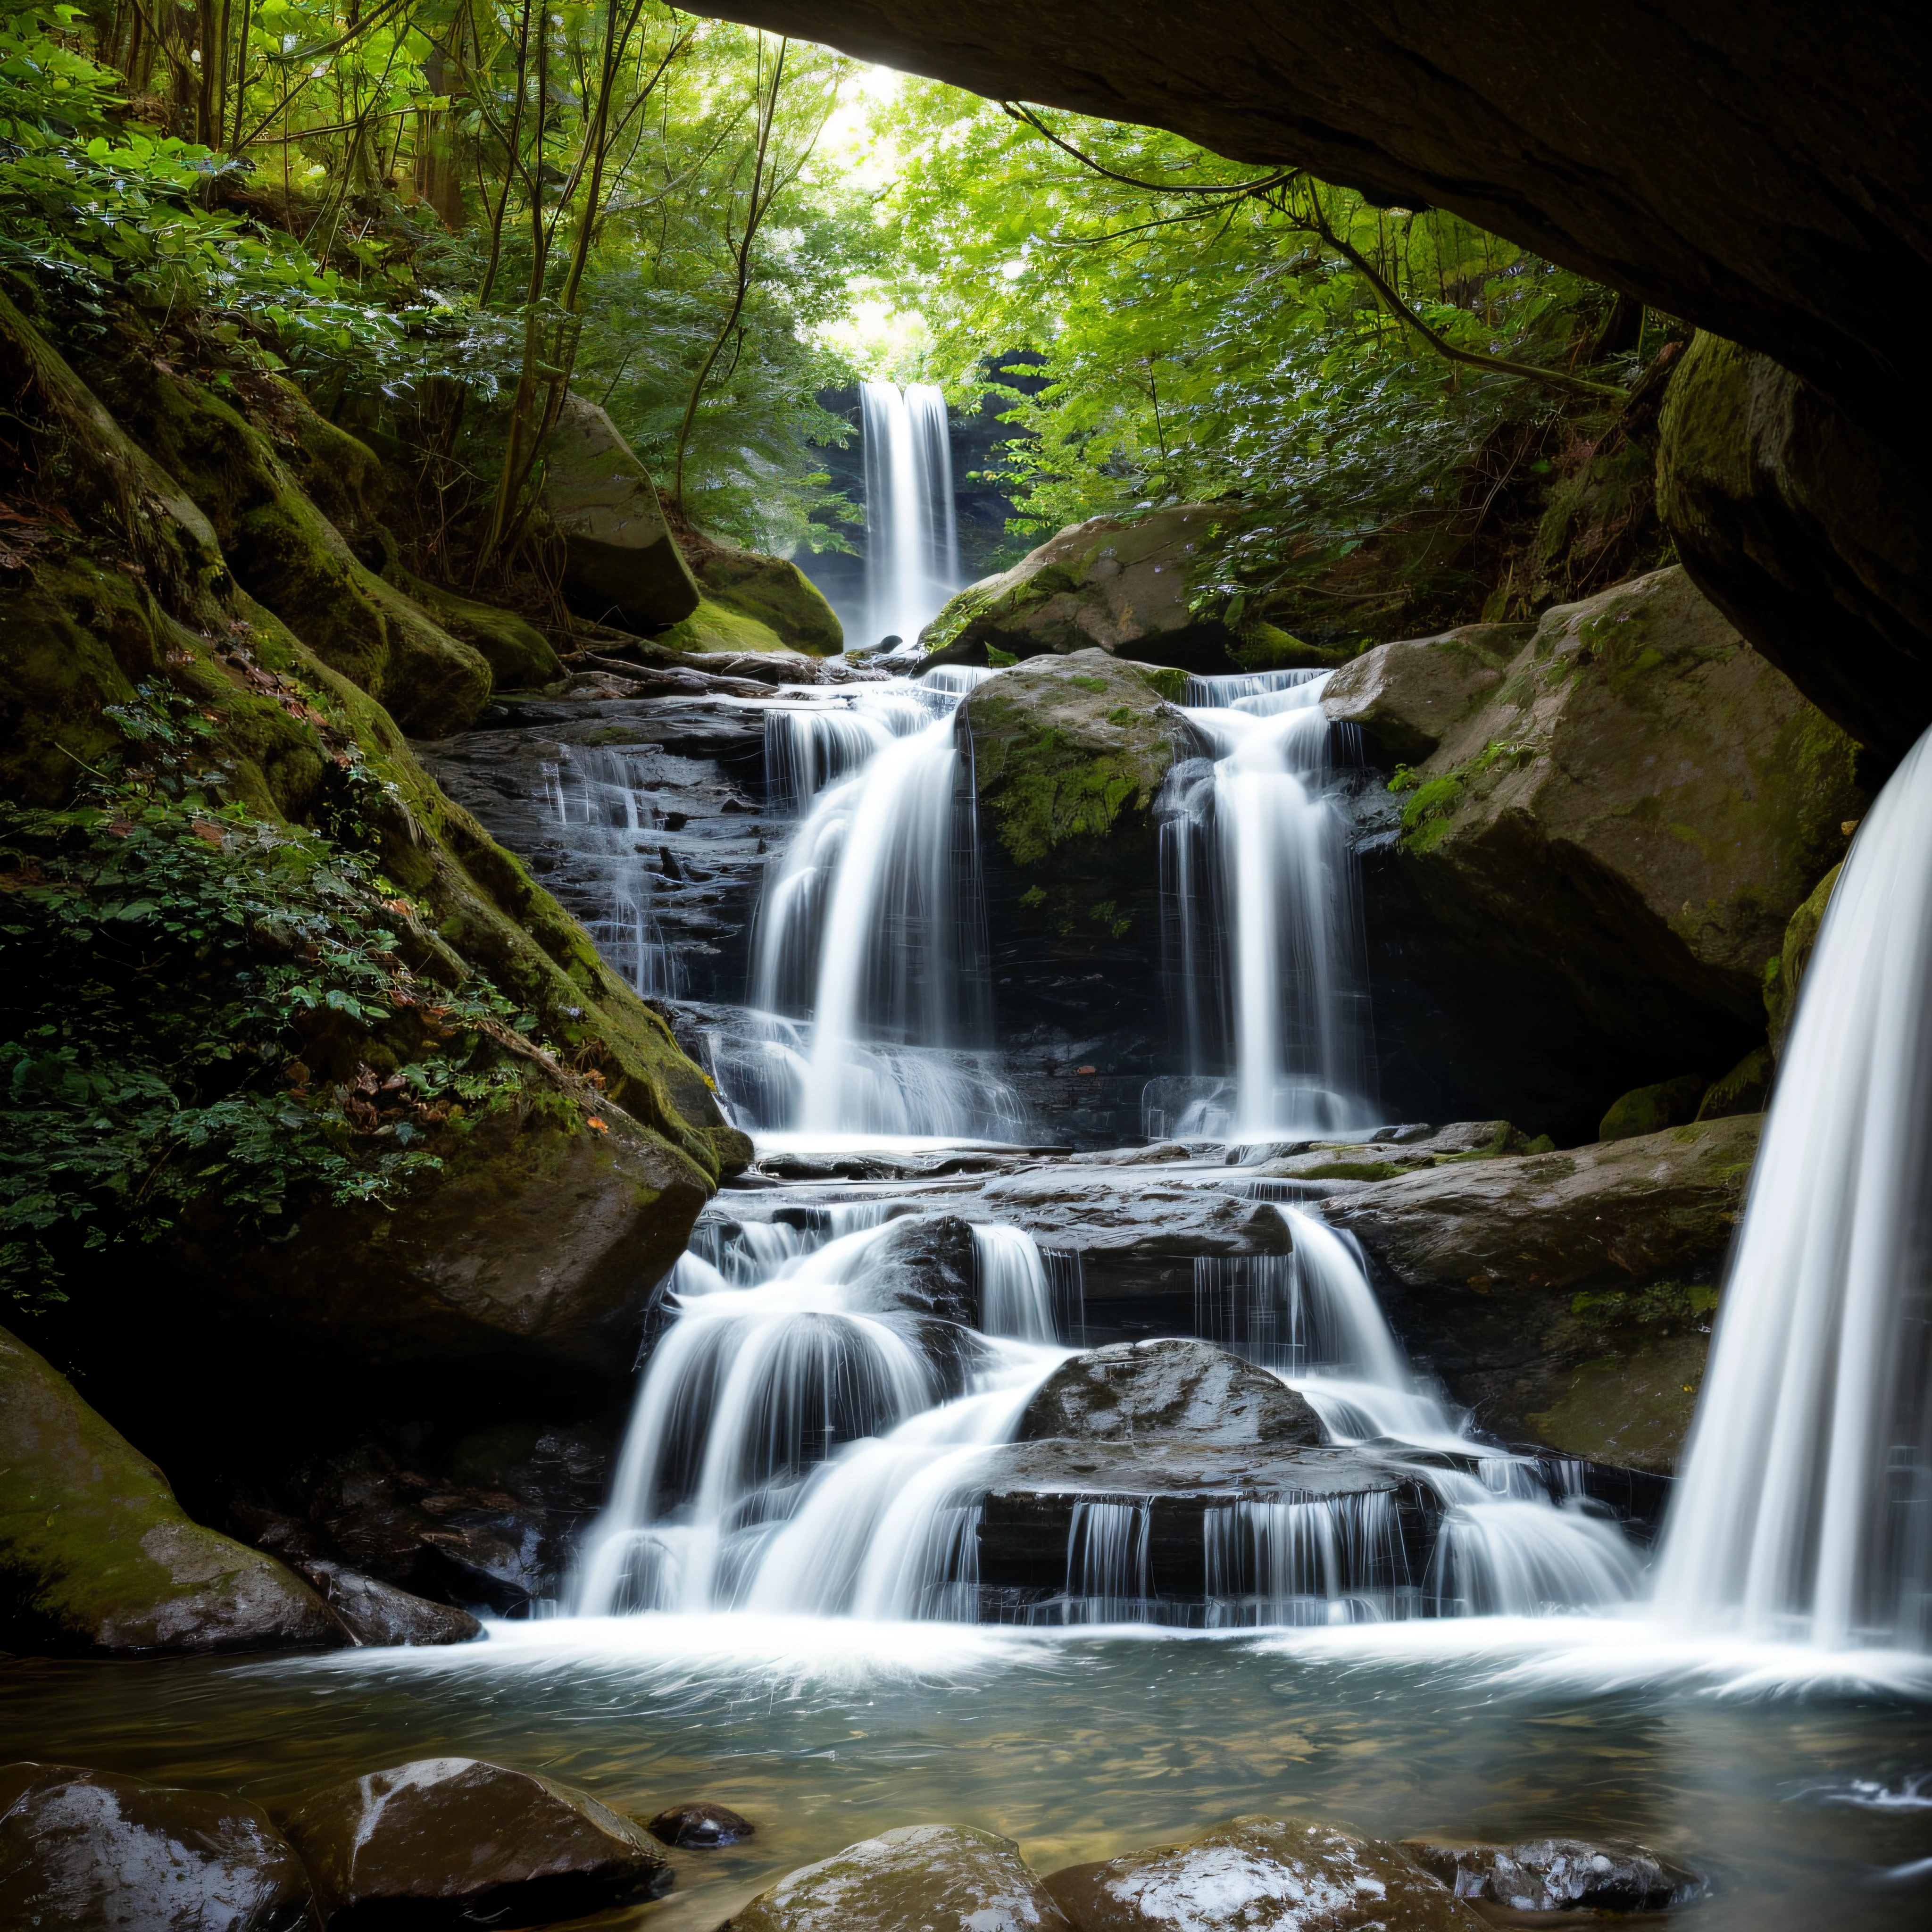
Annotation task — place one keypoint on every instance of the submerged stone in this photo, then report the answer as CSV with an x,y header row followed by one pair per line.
x,y
699,1826
1558,1874
454,1841
952,1878
86,1848
1291,1874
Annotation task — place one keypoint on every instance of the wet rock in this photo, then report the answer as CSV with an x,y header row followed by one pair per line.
x,y
1578,888
699,1826
455,1841
950,1877
1168,1387
1808,531
379,1614
1558,1874
1033,1492
1504,1275
923,1266
718,627
1405,698
86,1848
98,1557
1254,1873
777,594
1649,1110
621,562
1746,1089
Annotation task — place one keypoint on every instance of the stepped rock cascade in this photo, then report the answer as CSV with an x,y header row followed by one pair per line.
x,y
912,535
871,926
1805,1510
799,1447
1269,975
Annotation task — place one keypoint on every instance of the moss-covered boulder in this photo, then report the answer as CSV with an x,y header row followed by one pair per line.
x,y
621,564
1615,823
1127,588
519,656
1510,1276
715,628
292,558
1811,533
1745,1089
98,1558
1649,1110
1784,971
774,592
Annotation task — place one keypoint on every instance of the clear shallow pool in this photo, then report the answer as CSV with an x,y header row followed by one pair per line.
x,y
1082,1745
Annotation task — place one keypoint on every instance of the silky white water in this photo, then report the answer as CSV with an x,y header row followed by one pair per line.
x,y
1270,952
1805,1509
912,540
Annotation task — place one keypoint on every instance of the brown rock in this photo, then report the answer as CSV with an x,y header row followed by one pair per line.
x,y
1405,698
454,1841
1170,1387
85,1849
1251,1873
699,1826
950,1877
379,1614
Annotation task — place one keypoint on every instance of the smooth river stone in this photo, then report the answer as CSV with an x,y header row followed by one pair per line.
x,y
699,1826
85,1849
1171,1386
1260,1875
455,1841
951,1878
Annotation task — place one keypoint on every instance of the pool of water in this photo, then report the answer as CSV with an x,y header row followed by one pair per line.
x,y
1793,1791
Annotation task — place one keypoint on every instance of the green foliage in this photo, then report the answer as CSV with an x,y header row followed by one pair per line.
x,y
204,1006
1196,349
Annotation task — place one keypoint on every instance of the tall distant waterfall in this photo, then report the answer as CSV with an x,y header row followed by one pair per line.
x,y
912,533
1806,1506
1270,978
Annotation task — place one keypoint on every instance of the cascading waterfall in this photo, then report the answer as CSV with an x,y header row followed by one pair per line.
x,y
871,926
912,538
794,1451
1269,972
1805,1510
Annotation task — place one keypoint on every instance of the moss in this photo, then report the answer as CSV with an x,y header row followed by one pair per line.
x,y
1261,647
1165,681
1650,1110
773,591
712,627
1631,1408
1746,1089
1352,1170
518,654
1785,974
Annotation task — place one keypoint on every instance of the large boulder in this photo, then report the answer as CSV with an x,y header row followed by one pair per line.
x,y
1126,588
1292,1874
949,1877
1168,1387
538,1252
1810,531
621,564
774,592
85,1849
453,1841
96,1555
379,1614
1582,879
1532,1282
1069,755
718,630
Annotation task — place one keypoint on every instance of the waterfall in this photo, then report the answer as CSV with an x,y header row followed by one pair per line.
x,y
871,926
912,540
1805,1509
1254,864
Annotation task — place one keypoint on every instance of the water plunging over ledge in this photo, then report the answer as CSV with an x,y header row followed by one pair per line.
x,y
912,535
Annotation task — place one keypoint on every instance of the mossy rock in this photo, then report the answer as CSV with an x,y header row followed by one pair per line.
x,y
1064,748
1649,1110
1261,647
712,627
1784,972
774,592
98,1558
519,656
1633,1409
